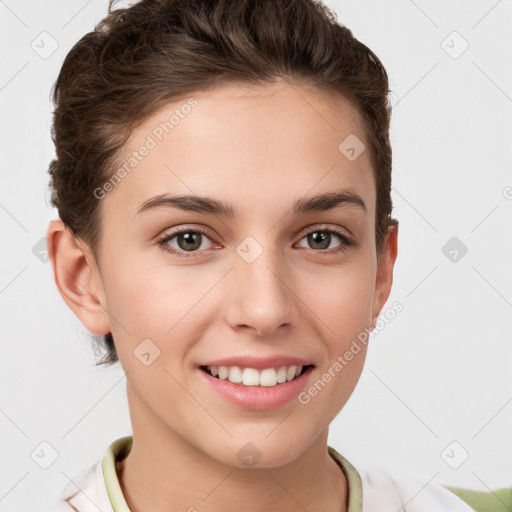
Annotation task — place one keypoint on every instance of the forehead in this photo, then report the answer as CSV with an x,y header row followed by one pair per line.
x,y
246,145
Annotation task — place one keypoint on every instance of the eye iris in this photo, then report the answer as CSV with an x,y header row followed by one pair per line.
x,y
190,238
321,238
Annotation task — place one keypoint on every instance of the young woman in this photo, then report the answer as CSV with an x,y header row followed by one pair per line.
x,y
223,180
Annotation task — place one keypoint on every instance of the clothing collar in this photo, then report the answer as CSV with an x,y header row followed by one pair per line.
x,y
120,448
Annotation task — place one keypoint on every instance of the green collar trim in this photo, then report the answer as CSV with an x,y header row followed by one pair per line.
x,y
116,451
355,488
119,449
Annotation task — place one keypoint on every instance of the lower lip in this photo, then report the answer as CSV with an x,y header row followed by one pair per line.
x,y
258,397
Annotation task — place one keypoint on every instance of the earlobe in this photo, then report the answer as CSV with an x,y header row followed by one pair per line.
x,y
77,278
384,275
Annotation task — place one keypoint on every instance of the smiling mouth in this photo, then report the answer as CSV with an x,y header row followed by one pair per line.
x,y
268,377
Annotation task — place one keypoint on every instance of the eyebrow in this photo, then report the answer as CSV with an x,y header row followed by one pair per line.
x,y
194,203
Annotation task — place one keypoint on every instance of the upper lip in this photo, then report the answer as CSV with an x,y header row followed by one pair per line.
x,y
259,363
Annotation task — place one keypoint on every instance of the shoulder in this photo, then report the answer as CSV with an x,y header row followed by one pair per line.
x,y
86,493
389,489
96,488
393,489
418,494
60,506
499,500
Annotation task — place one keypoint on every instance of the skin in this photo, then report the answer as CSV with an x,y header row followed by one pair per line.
x,y
259,148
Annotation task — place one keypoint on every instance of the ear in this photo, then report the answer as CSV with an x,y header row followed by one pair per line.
x,y
77,277
384,275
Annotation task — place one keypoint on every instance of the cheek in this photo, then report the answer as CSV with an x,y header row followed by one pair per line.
x,y
342,308
157,303
342,298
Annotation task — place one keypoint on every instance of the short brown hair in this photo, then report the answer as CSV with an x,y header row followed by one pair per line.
x,y
140,58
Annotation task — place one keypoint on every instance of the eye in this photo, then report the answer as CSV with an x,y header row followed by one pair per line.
x,y
187,240
320,239
191,241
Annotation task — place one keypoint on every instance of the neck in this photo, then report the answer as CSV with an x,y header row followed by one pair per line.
x,y
165,473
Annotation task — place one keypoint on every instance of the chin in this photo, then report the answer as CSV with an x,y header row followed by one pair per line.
x,y
259,452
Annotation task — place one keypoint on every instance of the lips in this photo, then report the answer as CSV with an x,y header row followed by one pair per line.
x,y
270,395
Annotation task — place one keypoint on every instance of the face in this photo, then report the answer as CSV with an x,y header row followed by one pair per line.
x,y
181,287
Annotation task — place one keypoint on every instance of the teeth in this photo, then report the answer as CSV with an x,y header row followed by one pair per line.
x,y
281,374
223,372
251,377
235,375
268,377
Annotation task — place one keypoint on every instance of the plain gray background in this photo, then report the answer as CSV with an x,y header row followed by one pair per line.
x,y
435,397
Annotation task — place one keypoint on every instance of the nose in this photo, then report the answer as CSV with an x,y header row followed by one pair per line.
x,y
261,300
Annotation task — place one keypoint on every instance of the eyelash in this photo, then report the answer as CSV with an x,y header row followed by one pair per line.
x,y
162,241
